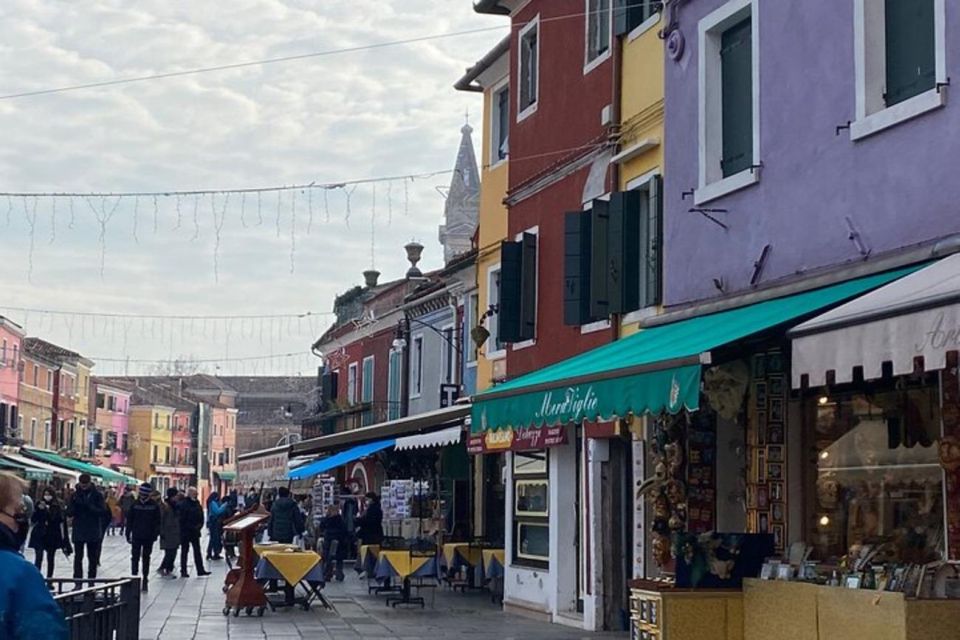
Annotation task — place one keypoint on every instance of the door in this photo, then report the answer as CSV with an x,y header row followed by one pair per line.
x,y
615,534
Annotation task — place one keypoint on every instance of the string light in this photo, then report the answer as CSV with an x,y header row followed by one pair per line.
x,y
136,209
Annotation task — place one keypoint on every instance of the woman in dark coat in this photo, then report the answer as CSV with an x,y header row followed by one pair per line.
x,y
49,531
169,531
370,524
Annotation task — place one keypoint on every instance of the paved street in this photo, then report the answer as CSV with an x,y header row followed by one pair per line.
x,y
187,609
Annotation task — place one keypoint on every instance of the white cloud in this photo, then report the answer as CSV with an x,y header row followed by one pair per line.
x,y
387,111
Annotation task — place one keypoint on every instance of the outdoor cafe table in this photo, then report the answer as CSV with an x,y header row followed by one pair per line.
x,y
493,562
404,565
369,553
456,554
295,567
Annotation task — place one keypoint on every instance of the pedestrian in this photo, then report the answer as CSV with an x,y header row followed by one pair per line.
x,y
87,511
143,529
27,610
286,519
370,524
169,532
28,510
126,501
49,531
335,537
191,525
215,513
113,506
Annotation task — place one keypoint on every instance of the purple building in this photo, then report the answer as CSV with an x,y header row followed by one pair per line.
x,y
805,136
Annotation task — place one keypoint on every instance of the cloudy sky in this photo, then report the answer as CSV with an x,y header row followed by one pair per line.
x,y
382,112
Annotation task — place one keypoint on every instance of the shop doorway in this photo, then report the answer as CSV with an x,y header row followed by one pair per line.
x,y
615,534
494,498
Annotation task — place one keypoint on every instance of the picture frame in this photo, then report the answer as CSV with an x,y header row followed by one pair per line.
x,y
761,467
763,497
776,492
775,433
777,512
773,363
785,572
763,524
775,471
769,570
853,581
760,393
759,366
775,388
761,428
775,453
778,536
776,409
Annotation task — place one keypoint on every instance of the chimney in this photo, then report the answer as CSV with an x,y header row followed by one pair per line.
x,y
370,277
414,249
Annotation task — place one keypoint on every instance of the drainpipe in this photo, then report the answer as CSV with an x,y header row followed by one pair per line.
x,y
614,131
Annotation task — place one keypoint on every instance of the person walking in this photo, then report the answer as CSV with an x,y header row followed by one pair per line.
x,y
27,609
87,511
286,519
126,501
216,510
335,537
143,529
191,525
169,532
113,507
49,532
370,524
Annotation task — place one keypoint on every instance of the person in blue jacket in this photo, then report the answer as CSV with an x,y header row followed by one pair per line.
x,y
27,610
216,510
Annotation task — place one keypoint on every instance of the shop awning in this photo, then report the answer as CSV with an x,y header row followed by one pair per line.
x,y
226,476
918,316
656,370
36,464
409,425
340,459
443,438
26,471
104,474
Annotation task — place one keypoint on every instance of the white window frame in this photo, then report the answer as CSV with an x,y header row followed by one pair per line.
x,y
363,377
394,382
352,383
523,114
526,344
589,64
872,114
416,365
493,353
711,183
495,159
449,357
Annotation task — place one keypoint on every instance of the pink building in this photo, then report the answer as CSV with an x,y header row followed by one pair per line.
x,y
108,443
11,336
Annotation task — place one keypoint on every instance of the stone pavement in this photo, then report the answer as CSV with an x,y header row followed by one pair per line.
x,y
192,609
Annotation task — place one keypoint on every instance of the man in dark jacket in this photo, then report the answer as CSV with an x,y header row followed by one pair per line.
x,y
286,519
335,538
126,501
370,524
88,510
191,524
143,529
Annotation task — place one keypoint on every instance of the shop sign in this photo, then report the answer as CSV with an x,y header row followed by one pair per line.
x,y
574,402
266,469
521,440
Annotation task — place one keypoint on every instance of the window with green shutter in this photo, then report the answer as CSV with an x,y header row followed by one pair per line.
x,y
630,14
736,78
516,317
600,260
576,268
910,42
650,256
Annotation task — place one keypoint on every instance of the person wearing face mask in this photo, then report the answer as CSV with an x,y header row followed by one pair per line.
x,y
87,509
27,610
49,531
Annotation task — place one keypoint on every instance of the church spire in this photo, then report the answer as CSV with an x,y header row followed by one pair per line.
x,y
463,200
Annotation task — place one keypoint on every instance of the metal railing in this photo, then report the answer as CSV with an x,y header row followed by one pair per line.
x,y
104,609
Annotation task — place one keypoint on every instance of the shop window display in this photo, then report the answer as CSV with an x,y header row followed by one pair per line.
x,y
531,490
877,479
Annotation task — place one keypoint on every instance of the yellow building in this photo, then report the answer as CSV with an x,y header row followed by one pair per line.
x,y
151,441
491,76
640,156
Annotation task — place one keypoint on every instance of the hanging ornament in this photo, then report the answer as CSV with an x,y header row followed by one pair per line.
x,y
293,229
309,210
348,192
243,209
259,209
156,215
32,226
279,193
390,203
72,215
326,204
136,210
53,220
103,218
217,229
196,218
179,213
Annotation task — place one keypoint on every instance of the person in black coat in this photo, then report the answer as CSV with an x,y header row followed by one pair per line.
x,y
370,524
49,531
143,529
191,525
88,511
286,519
335,538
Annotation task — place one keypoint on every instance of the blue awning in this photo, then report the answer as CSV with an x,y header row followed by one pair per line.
x,y
340,459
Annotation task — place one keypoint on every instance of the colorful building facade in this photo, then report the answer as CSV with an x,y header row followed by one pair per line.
x,y
110,435
11,337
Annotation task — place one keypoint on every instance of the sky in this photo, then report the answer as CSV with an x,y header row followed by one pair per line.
x,y
325,120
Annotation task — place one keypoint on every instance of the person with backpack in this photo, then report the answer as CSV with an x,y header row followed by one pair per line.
x,y
143,529
49,533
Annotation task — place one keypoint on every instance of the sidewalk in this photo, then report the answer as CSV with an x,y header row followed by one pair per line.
x,y
192,609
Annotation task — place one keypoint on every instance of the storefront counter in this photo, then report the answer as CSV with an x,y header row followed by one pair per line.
x,y
799,611
663,613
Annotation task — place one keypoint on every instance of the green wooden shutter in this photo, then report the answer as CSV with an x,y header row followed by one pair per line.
x,y
736,71
528,287
630,14
910,49
576,268
651,244
599,260
511,282
625,251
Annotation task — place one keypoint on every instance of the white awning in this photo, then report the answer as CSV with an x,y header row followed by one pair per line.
x,y
917,316
440,438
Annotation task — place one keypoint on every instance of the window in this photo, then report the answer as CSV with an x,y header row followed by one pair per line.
x,y
495,348
155,451
729,136
156,421
33,432
366,390
46,434
20,428
50,380
472,320
394,385
449,355
111,403
598,32
500,125
101,401
529,71
36,376
900,64
416,366
352,383
517,316
531,511
112,440
630,14
166,455
3,353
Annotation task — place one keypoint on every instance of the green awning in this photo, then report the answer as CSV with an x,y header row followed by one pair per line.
x,y
656,370
106,475
29,473
227,476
